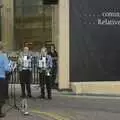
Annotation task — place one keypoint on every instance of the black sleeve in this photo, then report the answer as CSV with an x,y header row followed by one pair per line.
x,y
55,54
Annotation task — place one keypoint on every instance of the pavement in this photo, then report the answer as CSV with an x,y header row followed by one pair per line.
x,y
65,106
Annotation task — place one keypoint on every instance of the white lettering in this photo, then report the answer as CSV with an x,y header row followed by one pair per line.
x,y
108,22
99,22
111,14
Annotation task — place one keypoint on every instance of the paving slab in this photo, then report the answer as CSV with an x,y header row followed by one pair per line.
x,y
63,107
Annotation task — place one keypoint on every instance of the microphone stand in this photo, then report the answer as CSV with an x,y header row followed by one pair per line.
x,y
14,106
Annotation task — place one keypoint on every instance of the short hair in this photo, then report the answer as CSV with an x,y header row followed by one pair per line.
x,y
26,48
53,46
44,49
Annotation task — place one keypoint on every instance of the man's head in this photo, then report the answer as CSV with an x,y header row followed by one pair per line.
x,y
52,48
26,49
44,51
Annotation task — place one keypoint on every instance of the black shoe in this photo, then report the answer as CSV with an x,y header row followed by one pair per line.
x,y
23,96
29,96
2,115
49,98
42,97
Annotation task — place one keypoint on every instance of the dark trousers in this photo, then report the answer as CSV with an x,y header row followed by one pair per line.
x,y
45,80
25,80
54,73
3,88
8,77
1,105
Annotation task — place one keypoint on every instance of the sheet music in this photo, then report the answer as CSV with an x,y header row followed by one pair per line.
x,y
25,58
42,63
25,62
48,73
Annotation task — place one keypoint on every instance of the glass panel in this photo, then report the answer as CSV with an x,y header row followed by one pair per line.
x,y
33,11
48,10
32,2
18,2
30,11
39,10
33,22
28,2
18,12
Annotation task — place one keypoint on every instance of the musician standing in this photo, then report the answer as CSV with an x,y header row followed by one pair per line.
x,y
25,68
4,67
45,66
54,56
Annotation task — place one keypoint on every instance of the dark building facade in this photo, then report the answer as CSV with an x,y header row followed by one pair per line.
x,y
94,40
95,46
87,33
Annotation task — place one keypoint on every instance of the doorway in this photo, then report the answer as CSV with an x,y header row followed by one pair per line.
x,y
33,23
33,26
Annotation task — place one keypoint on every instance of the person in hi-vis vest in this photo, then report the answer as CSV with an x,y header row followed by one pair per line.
x,y
44,67
25,68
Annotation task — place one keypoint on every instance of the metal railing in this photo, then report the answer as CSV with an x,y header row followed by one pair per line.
x,y
15,76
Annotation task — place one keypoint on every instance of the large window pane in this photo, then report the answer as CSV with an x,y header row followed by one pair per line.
x,y
28,2
18,12
32,2
30,11
32,22
18,2
48,10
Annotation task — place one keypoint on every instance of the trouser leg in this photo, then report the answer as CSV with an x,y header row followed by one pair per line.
x,y
54,72
28,89
8,76
23,89
2,95
40,78
28,80
1,105
42,82
0,109
22,82
48,86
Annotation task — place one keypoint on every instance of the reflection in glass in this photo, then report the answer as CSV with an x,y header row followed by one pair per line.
x,y
33,23
18,12
28,2
18,2
32,2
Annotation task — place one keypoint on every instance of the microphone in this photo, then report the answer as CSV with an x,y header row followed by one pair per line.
x,y
28,57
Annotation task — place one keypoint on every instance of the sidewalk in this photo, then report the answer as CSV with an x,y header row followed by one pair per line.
x,y
67,107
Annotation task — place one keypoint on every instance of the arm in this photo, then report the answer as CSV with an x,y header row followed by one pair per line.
x,y
6,64
55,56
50,62
20,59
14,66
